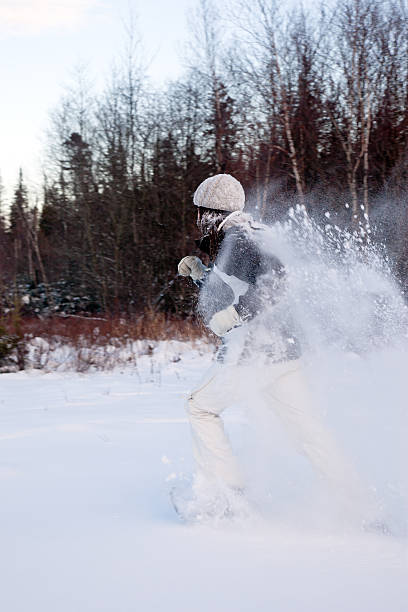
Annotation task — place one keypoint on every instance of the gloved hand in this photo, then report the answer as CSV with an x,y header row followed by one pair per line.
x,y
224,320
192,266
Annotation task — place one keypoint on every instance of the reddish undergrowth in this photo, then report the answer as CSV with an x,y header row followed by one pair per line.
x,y
98,330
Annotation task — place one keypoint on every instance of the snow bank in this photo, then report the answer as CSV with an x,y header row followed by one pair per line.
x,y
56,356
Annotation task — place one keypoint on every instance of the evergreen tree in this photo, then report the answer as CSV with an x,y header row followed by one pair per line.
x,y
20,233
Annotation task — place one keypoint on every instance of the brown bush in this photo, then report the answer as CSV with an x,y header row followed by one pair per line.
x,y
86,330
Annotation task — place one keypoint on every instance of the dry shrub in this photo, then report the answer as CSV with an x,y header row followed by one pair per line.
x,y
88,331
103,342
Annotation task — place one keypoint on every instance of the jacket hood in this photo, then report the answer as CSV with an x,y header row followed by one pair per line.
x,y
239,219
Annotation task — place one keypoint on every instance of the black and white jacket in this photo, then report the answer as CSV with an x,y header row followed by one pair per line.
x,y
246,277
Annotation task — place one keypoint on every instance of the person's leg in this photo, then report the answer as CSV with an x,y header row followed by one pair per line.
x,y
287,393
212,450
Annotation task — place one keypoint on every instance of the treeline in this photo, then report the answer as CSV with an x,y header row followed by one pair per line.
x,y
307,108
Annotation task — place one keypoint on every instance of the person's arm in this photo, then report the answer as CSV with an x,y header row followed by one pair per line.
x,y
264,273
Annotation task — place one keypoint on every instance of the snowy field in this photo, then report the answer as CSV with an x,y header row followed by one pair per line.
x,y
86,464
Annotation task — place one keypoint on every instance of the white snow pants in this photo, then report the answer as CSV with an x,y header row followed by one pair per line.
x,y
285,391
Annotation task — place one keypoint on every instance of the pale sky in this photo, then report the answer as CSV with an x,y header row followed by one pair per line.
x,y
41,42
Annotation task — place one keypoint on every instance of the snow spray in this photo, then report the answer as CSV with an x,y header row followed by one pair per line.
x,y
348,314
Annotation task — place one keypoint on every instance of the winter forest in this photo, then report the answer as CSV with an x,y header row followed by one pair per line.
x,y
308,108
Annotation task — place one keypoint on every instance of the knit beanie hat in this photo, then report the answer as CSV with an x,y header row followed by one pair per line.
x,y
220,192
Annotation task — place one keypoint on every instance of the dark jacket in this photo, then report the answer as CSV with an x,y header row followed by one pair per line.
x,y
240,257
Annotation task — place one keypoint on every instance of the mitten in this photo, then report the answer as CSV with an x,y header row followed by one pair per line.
x,y
224,320
192,266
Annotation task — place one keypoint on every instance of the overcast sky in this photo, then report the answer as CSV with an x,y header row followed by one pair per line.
x,y
41,42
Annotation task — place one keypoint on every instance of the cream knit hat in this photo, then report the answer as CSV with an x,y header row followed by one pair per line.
x,y
220,192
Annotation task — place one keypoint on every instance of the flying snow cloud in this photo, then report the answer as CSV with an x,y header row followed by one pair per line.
x,y
35,16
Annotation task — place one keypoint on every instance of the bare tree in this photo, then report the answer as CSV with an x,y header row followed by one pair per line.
x,y
357,72
267,64
206,60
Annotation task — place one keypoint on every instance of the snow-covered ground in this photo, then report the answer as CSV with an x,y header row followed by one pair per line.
x,y
86,463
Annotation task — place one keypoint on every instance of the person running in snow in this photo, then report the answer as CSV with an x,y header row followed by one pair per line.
x,y
240,282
